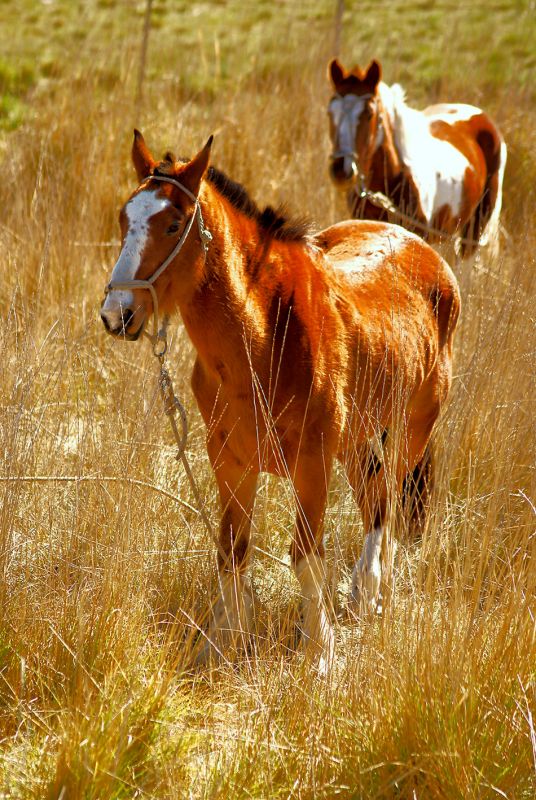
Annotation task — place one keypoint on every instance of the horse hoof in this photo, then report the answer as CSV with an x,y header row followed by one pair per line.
x,y
361,604
207,654
365,596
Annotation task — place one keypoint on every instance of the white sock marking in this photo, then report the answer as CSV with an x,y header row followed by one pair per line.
x,y
367,574
319,636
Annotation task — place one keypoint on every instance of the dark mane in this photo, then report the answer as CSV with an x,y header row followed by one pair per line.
x,y
272,221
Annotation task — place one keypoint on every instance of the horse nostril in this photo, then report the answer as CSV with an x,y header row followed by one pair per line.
x,y
343,170
337,169
126,317
105,321
115,326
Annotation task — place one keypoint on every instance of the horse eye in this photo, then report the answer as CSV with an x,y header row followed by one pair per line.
x,y
173,228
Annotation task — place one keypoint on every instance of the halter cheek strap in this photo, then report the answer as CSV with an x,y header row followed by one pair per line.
x,y
158,337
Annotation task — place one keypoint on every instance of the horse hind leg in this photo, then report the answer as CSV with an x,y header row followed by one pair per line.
x,y
364,469
483,229
367,480
374,569
416,490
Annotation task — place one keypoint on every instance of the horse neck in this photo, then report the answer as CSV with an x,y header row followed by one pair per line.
x,y
390,158
215,310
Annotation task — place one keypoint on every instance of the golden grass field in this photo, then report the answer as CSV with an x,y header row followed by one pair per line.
x,y
102,572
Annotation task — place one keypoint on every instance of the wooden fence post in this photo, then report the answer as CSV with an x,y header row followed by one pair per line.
x,y
143,58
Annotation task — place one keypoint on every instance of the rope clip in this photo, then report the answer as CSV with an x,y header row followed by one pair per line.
x,y
206,238
160,346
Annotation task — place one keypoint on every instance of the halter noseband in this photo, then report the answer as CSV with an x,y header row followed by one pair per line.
x,y
158,337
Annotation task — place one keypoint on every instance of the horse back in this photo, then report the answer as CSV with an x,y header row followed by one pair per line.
x,y
384,268
464,126
368,251
473,133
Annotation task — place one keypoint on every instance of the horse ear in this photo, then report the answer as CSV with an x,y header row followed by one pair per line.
x,y
142,158
373,75
192,174
335,72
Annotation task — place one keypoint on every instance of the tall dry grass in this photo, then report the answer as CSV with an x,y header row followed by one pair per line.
x,y
102,573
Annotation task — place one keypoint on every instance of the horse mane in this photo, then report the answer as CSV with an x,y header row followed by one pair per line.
x,y
404,120
393,97
274,222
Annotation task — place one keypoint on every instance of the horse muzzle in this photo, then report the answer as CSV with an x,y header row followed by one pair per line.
x,y
123,323
343,170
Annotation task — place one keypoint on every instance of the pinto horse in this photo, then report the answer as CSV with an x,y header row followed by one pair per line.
x,y
309,347
440,170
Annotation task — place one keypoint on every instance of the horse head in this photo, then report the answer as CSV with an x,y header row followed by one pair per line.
x,y
160,253
354,122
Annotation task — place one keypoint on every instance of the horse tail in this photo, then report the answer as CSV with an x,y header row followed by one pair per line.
x,y
494,185
416,492
484,228
446,303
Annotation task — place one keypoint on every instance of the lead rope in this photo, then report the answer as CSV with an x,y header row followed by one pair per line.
x,y
381,200
173,406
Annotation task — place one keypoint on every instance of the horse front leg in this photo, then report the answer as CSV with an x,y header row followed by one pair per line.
x,y
231,615
307,553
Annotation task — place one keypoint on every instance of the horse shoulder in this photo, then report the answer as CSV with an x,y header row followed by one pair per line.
x,y
204,388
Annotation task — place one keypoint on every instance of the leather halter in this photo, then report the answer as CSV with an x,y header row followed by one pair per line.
x,y
158,337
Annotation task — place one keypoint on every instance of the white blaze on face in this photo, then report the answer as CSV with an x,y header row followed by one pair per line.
x,y
345,113
139,211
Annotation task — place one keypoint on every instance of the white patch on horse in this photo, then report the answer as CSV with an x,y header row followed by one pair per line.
x,y
452,112
345,112
318,633
139,210
436,166
367,574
